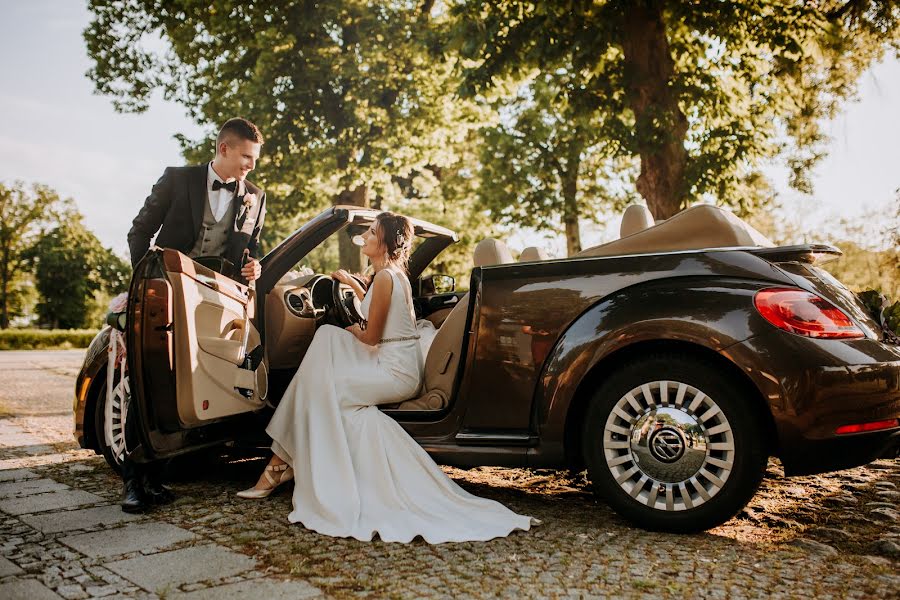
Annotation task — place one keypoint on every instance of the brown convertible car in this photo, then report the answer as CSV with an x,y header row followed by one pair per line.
x,y
671,363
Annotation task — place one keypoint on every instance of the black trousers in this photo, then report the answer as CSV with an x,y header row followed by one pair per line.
x,y
130,468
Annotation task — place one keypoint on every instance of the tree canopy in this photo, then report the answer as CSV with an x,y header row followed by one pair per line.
x,y
72,269
350,95
548,160
701,92
542,111
24,213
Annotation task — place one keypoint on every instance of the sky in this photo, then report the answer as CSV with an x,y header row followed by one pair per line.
x,y
54,130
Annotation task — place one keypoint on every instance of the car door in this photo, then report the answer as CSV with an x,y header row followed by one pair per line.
x,y
185,353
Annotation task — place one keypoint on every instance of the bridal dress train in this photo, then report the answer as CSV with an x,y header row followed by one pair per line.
x,y
357,473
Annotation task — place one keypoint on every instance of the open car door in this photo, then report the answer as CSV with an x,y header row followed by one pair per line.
x,y
191,378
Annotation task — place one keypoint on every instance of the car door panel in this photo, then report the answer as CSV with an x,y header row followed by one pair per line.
x,y
436,307
184,353
209,316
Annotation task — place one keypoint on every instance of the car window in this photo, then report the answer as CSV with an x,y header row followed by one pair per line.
x,y
325,258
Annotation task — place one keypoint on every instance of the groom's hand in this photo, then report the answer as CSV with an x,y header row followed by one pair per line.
x,y
251,270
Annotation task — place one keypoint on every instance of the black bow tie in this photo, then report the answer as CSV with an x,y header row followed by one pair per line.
x,y
231,186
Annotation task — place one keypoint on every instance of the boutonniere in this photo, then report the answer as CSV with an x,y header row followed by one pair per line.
x,y
249,200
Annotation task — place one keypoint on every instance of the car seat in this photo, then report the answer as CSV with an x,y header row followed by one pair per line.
x,y
442,361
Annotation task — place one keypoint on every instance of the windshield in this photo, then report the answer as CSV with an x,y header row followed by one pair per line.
x,y
325,258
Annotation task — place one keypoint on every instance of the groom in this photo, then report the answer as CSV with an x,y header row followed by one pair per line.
x,y
202,210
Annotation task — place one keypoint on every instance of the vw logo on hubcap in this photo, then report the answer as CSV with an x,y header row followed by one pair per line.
x,y
666,445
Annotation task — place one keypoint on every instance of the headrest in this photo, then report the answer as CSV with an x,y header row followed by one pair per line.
x,y
491,252
533,254
635,218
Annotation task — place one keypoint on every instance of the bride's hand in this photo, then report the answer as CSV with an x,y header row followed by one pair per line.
x,y
347,279
342,276
355,329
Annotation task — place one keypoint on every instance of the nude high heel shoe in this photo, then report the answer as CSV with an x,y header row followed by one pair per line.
x,y
286,474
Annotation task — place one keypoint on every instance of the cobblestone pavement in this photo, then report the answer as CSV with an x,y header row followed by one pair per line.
x,y
62,534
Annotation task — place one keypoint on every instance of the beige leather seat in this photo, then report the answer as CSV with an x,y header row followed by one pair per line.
x,y
636,217
442,361
487,252
533,254
491,252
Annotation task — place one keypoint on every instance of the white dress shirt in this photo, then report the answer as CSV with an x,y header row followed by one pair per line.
x,y
220,199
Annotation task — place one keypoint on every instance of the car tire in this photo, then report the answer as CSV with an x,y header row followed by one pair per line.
x,y
674,443
110,440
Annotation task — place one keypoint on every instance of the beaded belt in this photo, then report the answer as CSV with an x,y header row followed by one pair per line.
x,y
398,339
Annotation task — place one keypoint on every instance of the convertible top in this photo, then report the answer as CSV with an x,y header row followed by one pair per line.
x,y
697,227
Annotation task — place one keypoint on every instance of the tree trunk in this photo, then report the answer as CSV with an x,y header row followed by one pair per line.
x,y
4,289
4,319
570,209
660,126
351,256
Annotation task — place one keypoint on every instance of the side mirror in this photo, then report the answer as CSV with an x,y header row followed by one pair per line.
x,y
436,284
443,284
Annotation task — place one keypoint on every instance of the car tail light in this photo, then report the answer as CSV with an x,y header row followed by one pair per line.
x,y
804,313
871,426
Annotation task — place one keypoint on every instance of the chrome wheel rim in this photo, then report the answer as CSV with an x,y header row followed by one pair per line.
x,y
115,412
668,445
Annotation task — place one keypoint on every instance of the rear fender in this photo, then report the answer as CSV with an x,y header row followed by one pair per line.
x,y
707,313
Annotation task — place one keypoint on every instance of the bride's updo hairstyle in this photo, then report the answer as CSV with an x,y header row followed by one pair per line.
x,y
396,233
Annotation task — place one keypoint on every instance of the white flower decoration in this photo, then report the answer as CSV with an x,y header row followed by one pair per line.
x,y
250,200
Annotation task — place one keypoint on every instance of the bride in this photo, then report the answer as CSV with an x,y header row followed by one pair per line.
x,y
357,472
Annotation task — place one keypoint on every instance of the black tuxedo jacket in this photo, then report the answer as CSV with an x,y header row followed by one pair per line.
x,y
175,209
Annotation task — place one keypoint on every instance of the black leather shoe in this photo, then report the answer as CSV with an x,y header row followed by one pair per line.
x,y
133,497
156,492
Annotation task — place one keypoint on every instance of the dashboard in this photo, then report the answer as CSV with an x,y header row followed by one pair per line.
x,y
312,299
294,309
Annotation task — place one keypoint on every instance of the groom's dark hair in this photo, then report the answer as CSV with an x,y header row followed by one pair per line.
x,y
241,128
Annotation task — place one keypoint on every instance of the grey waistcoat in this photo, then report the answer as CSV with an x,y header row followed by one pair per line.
x,y
213,236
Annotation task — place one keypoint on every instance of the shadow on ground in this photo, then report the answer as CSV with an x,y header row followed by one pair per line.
x,y
800,537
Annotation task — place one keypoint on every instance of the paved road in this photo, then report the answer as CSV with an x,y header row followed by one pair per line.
x,y
38,382
62,535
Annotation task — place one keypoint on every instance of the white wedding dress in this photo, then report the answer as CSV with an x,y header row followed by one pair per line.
x,y
357,472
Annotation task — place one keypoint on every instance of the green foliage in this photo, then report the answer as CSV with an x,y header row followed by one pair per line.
x,y
753,78
548,160
543,112
859,268
449,196
70,267
347,93
862,268
893,234
887,314
45,339
24,212
892,317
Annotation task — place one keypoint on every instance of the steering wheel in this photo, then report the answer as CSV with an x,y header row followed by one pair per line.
x,y
346,307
